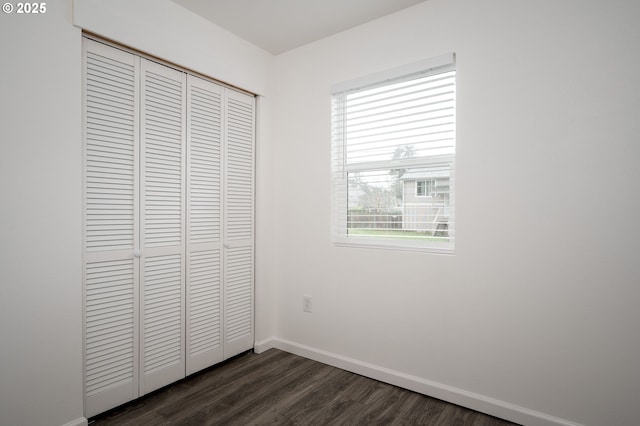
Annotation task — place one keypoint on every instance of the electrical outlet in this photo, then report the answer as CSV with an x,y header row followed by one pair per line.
x,y
306,303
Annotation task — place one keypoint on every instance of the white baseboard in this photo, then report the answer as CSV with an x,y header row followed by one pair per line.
x,y
263,345
474,401
81,421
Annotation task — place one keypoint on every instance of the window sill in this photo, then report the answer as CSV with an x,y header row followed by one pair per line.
x,y
382,244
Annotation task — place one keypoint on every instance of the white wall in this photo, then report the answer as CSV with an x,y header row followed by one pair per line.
x,y
264,286
40,184
538,307
40,171
168,31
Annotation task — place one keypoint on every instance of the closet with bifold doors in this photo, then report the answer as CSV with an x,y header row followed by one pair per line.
x,y
168,224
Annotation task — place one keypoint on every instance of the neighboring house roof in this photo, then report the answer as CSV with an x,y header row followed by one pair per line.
x,y
420,174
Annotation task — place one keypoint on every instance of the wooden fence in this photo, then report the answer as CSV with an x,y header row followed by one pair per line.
x,y
374,219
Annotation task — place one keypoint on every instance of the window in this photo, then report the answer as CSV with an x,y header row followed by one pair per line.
x,y
393,158
424,188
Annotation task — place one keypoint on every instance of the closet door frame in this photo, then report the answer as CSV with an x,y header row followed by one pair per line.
x,y
235,288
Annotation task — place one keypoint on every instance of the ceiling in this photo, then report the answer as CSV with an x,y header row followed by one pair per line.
x,y
280,25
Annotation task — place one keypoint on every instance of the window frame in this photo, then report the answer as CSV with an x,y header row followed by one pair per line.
x,y
340,168
428,187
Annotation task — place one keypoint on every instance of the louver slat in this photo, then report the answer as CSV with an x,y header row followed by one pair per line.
x,y
204,162
163,163
109,153
205,302
239,162
109,324
163,310
239,285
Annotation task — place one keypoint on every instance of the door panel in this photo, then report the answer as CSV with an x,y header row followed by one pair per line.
x,y
239,222
110,226
204,223
162,216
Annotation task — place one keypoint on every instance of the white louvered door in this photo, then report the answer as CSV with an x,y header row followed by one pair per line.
x,y
162,266
204,224
168,192
239,222
110,227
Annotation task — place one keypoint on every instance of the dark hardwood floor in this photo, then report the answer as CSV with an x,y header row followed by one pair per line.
x,y
277,387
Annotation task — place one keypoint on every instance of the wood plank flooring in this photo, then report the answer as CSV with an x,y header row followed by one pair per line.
x,y
279,388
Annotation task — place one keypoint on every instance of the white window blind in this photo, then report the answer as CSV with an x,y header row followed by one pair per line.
x,y
393,139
